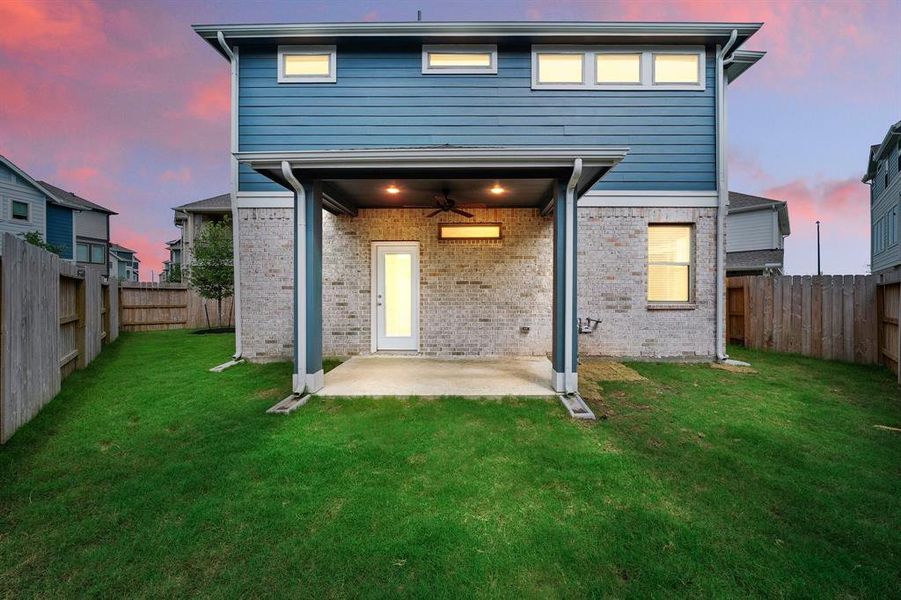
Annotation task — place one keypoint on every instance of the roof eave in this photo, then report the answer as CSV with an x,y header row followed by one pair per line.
x,y
537,31
742,60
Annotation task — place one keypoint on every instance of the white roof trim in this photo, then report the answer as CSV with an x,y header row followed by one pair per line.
x,y
40,188
438,158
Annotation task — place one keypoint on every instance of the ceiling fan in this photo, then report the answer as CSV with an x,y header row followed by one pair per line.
x,y
445,203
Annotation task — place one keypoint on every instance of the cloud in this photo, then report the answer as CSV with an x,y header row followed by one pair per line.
x,y
183,174
211,101
842,207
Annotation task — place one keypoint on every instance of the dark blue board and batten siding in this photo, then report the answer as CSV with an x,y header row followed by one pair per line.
x,y
382,99
59,229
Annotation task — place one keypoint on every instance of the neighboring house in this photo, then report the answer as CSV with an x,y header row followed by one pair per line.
x,y
884,177
123,263
91,230
756,229
191,218
475,189
174,260
27,205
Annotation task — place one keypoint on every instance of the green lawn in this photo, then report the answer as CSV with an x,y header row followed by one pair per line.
x,y
149,476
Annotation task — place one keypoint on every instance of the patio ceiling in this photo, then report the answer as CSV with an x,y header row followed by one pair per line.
x,y
510,193
360,177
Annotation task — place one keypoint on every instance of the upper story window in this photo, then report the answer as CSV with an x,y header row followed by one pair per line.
x,y
459,59
306,64
19,211
618,67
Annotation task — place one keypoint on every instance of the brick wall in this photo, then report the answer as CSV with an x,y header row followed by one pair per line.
x,y
266,241
476,295
612,265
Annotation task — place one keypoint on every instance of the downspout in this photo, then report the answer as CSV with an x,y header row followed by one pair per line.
x,y
300,279
722,186
570,385
236,254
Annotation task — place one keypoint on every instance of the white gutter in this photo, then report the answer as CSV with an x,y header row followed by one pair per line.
x,y
570,385
236,248
722,186
300,278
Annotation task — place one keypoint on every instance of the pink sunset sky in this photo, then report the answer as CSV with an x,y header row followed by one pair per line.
x,y
121,103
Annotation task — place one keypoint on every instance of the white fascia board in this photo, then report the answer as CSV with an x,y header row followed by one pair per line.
x,y
530,29
437,158
648,199
264,200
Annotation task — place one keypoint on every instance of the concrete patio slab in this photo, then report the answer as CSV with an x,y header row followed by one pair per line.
x,y
425,376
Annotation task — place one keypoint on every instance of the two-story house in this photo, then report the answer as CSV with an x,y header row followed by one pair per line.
x,y
124,263
172,265
27,205
92,230
480,189
190,219
756,229
884,177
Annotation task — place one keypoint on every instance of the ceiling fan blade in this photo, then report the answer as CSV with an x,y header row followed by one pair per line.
x,y
434,212
462,213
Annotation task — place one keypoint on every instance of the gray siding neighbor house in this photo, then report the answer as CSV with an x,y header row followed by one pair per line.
x,y
124,263
479,189
92,230
27,206
884,177
190,219
756,229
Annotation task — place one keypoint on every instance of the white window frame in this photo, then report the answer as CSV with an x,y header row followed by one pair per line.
x,y
284,51
691,264
589,67
427,49
16,219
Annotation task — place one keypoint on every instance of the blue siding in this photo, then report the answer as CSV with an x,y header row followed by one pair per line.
x,y
59,228
381,99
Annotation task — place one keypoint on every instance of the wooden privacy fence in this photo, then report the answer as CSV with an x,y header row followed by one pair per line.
x,y
831,317
54,319
888,303
154,306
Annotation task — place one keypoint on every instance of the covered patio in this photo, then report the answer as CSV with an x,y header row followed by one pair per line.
x,y
444,181
389,375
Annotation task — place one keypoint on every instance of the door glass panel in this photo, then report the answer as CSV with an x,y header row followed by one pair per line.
x,y
398,295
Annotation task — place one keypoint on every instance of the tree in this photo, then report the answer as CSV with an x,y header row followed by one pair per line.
x,y
35,239
212,271
173,275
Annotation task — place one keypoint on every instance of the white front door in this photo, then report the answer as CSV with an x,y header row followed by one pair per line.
x,y
395,295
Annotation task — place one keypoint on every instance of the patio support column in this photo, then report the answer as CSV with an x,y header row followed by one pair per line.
x,y
308,374
565,346
315,375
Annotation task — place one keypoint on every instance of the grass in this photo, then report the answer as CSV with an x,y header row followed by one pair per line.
x,y
149,476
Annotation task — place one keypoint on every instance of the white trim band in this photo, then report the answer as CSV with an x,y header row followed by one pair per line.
x,y
265,200
649,199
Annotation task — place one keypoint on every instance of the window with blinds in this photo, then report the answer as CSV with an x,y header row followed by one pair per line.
x,y
669,263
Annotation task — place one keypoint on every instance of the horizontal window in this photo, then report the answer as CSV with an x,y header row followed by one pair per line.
x,y
618,67
20,211
469,231
459,59
677,68
560,68
306,64
669,263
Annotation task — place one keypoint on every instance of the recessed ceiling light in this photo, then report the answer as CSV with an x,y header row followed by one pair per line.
x,y
497,189
392,189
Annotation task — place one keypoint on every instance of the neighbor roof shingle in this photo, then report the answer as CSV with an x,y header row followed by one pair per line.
x,y
222,201
75,199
